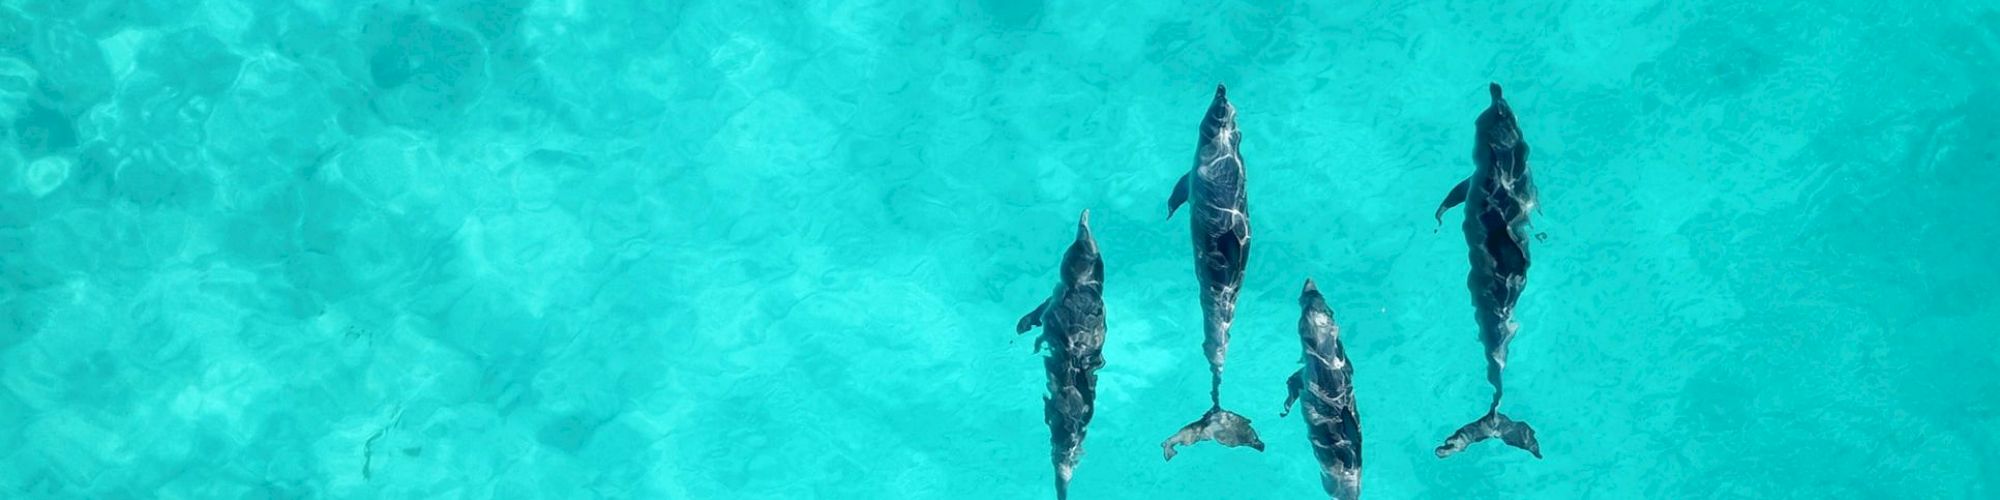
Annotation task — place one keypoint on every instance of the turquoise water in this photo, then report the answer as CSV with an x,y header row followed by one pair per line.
x,y
693,250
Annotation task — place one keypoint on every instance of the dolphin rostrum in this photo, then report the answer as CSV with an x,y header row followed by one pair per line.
x,y
1220,218
1497,198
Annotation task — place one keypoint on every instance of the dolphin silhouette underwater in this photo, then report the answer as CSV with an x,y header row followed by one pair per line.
x,y
1072,323
1497,198
1219,215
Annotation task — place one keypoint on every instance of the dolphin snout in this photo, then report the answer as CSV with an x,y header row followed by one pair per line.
x,y
1083,236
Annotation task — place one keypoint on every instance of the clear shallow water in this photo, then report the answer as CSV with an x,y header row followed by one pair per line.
x,y
527,249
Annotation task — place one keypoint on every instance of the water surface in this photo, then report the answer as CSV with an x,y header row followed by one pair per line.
x,y
775,249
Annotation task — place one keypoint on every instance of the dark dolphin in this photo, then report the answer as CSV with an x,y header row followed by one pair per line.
x,y
1220,217
1072,322
1497,200
1333,424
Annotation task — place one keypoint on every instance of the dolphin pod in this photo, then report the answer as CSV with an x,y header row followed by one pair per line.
x,y
1498,196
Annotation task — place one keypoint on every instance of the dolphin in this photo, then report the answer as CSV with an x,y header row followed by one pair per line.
x,y
1072,322
1332,423
1220,216
1497,199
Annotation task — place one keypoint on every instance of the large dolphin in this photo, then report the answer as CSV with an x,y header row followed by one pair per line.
x,y
1333,425
1072,321
1497,200
1220,216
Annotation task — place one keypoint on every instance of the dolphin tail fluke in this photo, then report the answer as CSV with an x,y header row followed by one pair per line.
x,y
1222,426
1494,425
1519,435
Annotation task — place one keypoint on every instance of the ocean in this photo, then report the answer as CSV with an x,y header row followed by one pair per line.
x,y
776,249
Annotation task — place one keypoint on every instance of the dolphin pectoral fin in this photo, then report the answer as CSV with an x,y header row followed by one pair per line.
x,y
1452,199
1225,427
1179,197
1032,320
1513,432
1292,387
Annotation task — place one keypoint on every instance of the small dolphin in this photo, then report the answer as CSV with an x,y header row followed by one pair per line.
x,y
1497,200
1220,217
1332,423
1072,321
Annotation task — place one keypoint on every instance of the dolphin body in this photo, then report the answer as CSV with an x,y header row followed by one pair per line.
x,y
1220,217
1497,200
1072,322
1333,424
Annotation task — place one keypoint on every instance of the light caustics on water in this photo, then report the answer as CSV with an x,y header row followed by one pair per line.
x,y
665,249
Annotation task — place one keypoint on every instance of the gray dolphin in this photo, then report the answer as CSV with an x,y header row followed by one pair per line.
x,y
1072,321
1497,200
1220,217
1333,424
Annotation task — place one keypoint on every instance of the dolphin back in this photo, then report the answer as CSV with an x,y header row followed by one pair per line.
x,y
1333,424
1076,331
1326,385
